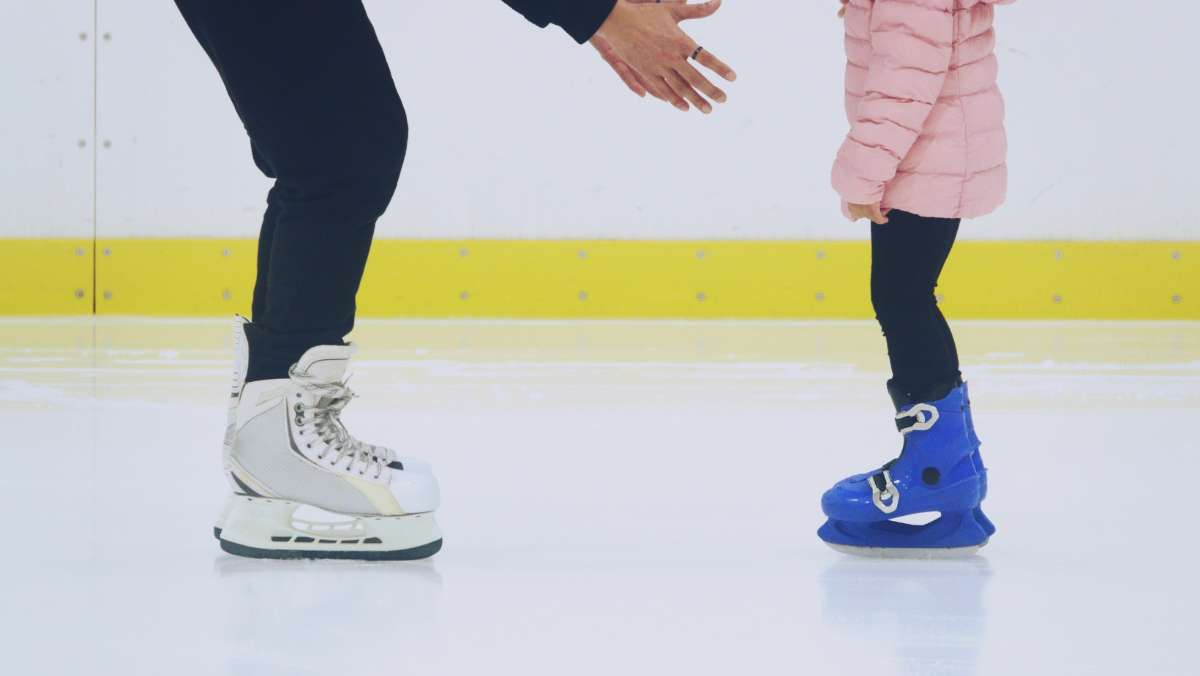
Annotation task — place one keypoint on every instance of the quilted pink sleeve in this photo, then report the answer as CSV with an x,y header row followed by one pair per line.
x,y
912,43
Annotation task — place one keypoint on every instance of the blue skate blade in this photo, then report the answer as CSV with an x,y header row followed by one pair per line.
x,y
950,531
908,552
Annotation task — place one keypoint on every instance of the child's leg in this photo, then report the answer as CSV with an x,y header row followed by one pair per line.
x,y
907,256
939,469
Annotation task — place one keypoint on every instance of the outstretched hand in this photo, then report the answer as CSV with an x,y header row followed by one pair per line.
x,y
643,43
628,75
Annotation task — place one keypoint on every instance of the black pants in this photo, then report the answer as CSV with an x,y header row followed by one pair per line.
x,y
907,256
312,86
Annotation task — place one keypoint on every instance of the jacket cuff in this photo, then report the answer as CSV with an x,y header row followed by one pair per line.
x,y
582,18
855,189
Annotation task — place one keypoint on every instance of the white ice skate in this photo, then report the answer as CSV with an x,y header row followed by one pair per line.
x,y
303,486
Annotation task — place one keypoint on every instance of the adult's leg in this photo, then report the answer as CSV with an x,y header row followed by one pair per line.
x,y
907,257
312,86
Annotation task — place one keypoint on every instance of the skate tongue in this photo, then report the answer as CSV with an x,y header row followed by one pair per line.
x,y
326,362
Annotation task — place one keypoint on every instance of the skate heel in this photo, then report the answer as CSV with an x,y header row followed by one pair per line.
x,y
269,528
984,522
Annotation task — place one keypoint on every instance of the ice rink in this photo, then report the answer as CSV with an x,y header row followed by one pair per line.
x,y
619,498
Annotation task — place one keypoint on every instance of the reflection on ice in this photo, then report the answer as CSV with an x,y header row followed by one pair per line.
x,y
335,612
928,614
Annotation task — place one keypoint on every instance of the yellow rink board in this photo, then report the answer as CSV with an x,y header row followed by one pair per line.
x,y
612,279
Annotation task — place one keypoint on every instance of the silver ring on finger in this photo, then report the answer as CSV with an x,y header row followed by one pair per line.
x,y
696,54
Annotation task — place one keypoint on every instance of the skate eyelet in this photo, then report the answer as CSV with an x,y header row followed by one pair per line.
x,y
931,476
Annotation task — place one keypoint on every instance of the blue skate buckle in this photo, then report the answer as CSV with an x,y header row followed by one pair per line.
x,y
923,417
884,493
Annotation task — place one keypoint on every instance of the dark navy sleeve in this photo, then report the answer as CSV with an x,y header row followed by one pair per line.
x,y
580,18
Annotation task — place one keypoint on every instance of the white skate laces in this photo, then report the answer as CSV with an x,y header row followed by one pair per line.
x,y
323,420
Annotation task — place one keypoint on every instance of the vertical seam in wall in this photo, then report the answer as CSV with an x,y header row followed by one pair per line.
x,y
95,143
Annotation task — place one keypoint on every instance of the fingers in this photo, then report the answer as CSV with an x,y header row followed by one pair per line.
x,y
704,57
683,89
871,212
668,94
708,60
627,74
842,11
630,78
622,69
645,84
701,83
685,12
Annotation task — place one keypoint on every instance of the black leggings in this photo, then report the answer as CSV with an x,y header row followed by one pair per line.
x,y
312,86
907,256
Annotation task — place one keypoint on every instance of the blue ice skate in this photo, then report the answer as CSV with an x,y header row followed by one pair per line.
x,y
939,471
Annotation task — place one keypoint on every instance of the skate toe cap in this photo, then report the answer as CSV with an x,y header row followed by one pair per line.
x,y
850,500
416,492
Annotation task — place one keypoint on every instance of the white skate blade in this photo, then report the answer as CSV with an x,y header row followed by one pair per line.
x,y
909,552
272,529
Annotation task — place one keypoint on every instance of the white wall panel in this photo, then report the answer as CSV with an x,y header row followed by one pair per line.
x,y
517,133
1102,106
173,158
46,102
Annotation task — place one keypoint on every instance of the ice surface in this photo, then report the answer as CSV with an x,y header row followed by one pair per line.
x,y
619,498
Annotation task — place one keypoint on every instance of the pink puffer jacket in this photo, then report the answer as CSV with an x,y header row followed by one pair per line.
x,y
927,119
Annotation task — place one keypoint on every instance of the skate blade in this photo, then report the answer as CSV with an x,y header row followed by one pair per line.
x,y
909,552
271,528
411,554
